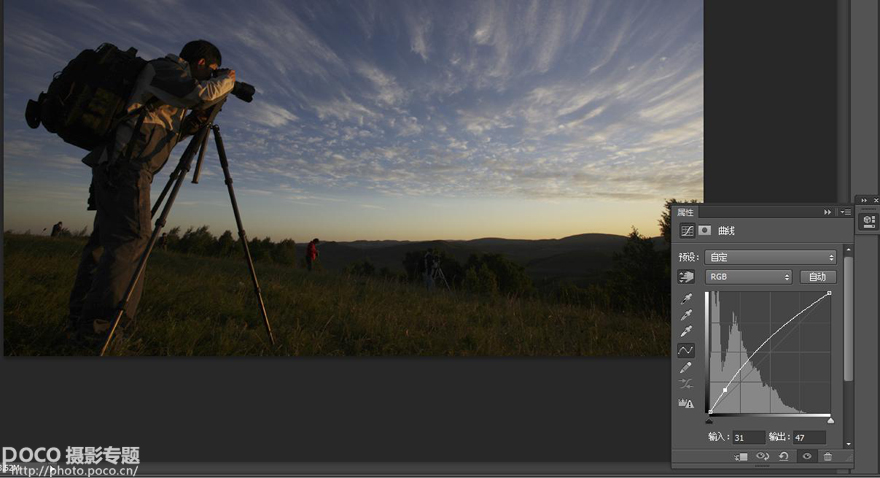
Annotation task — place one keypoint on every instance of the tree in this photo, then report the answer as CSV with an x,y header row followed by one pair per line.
x,y
173,239
197,241
638,279
285,252
261,250
510,277
225,246
413,265
480,280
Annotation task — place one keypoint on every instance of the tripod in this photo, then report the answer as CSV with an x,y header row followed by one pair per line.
x,y
438,272
198,144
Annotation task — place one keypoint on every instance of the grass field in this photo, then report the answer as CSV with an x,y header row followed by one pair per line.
x,y
202,306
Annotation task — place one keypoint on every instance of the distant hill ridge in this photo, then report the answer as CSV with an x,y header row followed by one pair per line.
x,y
580,258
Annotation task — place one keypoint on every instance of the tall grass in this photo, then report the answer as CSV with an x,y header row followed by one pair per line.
x,y
203,306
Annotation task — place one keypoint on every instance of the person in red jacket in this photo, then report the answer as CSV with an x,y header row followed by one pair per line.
x,y
312,253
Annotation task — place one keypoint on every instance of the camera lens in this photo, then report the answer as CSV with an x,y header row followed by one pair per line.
x,y
244,91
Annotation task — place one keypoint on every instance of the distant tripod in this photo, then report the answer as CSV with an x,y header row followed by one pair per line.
x,y
197,144
437,272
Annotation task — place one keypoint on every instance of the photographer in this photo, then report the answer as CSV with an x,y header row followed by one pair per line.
x,y
430,266
56,229
123,171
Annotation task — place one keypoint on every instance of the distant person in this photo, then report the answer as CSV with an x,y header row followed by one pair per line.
x,y
56,229
163,241
430,264
312,253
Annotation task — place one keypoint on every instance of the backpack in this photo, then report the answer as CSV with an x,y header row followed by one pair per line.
x,y
87,99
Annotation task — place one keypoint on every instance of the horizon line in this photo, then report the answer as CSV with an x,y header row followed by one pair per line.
x,y
45,232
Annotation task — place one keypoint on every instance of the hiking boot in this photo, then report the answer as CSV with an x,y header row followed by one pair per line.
x,y
101,326
92,334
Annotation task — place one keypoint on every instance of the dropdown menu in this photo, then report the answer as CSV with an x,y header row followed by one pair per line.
x,y
748,277
770,257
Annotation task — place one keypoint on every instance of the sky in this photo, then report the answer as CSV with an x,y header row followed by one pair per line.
x,y
400,120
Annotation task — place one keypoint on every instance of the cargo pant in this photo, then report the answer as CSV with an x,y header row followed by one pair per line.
x,y
121,231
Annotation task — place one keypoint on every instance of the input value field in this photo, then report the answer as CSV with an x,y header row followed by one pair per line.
x,y
770,257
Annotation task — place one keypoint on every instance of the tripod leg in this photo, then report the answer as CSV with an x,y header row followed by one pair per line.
x,y
221,152
199,162
167,187
443,276
183,168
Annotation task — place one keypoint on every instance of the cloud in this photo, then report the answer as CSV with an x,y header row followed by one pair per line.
x,y
19,148
456,144
345,109
29,192
270,115
419,28
25,38
279,34
680,135
388,92
552,32
256,192
409,126
477,123
681,99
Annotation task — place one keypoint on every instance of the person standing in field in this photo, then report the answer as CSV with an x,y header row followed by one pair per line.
x,y
56,229
123,170
430,266
312,253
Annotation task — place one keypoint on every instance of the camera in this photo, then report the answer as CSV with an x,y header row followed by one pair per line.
x,y
241,90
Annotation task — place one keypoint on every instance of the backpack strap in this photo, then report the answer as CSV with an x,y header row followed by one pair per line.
x,y
129,148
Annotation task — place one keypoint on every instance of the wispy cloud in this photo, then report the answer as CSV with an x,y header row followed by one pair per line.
x,y
345,109
273,116
419,29
388,92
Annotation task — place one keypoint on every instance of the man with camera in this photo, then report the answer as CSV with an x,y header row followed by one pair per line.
x,y
123,171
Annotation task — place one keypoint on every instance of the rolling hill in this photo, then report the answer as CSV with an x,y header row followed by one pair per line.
x,y
581,259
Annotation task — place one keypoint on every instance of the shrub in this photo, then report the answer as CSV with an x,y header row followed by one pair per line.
x,y
363,268
285,253
510,277
225,245
196,241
